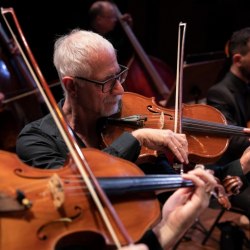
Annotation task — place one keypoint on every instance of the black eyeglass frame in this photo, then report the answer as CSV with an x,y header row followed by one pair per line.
x,y
123,68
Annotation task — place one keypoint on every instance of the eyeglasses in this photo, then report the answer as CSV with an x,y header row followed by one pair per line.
x,y
108,85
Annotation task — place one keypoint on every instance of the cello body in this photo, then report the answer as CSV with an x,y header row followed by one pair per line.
x,y
62,212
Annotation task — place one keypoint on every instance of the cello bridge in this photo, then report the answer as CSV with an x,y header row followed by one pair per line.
x,y
56,190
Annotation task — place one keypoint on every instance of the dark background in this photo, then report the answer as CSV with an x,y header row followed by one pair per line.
x,y
209,25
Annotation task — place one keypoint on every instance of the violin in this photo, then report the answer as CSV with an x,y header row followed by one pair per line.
x,y
205,127
54,208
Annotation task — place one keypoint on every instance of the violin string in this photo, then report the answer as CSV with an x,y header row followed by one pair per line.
x,y
204,126
214,127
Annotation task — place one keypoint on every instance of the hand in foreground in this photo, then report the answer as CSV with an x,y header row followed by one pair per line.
x,y
128,19
164,140
184,206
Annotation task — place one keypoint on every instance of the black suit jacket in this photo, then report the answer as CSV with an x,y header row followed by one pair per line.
x,y
230,96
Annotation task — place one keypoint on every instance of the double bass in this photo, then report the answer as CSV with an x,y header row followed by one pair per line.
x,y
148,76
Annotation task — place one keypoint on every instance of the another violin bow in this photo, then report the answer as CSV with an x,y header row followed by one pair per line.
x,y
219,192
179,83
68,137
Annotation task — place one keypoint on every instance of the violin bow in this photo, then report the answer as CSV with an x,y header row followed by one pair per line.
x,y
179,84
68,137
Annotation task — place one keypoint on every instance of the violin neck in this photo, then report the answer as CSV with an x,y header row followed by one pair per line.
x,y
199,126
124,185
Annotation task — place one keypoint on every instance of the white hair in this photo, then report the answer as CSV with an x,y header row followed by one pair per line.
x,y
78,52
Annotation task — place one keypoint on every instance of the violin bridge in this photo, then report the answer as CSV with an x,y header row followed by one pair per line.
x,y
57,191
162,120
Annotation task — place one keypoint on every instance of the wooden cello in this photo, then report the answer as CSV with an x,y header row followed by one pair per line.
x,y
150,76
55,209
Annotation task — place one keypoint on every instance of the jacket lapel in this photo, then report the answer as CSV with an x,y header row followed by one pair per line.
x,y
239,101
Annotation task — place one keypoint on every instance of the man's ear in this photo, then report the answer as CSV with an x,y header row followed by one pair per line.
x,y
237,58
69,85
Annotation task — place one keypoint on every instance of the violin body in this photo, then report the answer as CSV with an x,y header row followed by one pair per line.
x,y
205,143
62,212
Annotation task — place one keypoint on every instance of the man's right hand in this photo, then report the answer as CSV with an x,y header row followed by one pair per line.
x,y
163,140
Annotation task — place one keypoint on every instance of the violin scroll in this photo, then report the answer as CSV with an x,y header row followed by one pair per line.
x,y
232,184
229,186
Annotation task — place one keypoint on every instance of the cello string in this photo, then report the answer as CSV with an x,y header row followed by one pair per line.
x,y
40,188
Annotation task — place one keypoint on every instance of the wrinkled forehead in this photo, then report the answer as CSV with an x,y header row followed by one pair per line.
x,y
105,64
103,55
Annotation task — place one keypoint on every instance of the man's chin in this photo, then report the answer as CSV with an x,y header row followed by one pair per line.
x,y
112,111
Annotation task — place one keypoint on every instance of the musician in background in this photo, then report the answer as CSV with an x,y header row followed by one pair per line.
x,y
104,21
232,97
